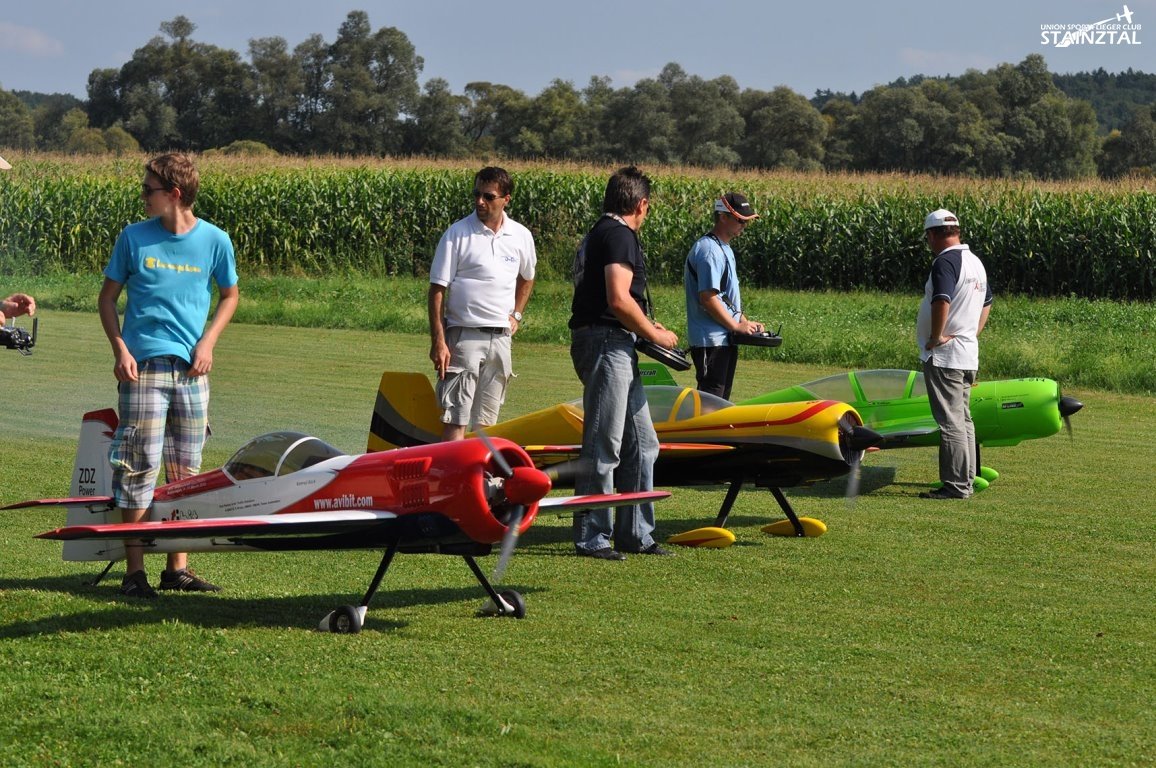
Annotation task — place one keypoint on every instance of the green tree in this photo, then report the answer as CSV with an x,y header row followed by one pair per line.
x,y
1113,96
73,130
888,132
494,116
372,84
637,124
559,119
278,92
1139,135
1051,135
105,106
707,123
436,129
176,92
49,115
1131,149
311,57
596,96
839,115
120,142
783,130
17,127
86,141
222,110
1059,138
148,117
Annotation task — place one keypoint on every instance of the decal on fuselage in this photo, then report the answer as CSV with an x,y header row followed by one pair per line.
x,y
345,501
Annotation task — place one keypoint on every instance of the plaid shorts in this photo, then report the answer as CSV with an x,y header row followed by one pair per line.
x,y
164,415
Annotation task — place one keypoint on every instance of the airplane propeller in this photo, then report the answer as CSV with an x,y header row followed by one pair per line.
x,y
567,472
856,441
853,479
523,486
1068,406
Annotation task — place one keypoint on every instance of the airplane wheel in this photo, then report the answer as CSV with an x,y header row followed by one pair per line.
x,y
514,599
346,620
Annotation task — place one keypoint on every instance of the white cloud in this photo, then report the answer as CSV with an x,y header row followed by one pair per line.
x,y
29,41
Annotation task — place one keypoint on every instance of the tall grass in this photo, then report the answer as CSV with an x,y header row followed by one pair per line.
x,y
817,232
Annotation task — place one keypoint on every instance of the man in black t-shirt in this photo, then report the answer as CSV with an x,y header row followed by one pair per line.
x,y
609,312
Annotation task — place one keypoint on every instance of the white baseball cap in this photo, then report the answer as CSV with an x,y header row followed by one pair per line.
x,y
940,218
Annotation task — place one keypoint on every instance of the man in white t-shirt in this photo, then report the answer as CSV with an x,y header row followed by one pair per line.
x,y
480,282
956,302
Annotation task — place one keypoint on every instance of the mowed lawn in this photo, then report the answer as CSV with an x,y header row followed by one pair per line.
x,y
1014,629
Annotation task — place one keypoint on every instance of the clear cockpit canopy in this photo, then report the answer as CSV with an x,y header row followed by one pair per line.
x,y
278,453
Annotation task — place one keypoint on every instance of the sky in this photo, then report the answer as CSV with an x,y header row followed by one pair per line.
x,y
51,46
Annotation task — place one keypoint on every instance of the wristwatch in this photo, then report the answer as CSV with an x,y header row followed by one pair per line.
x,y
516,315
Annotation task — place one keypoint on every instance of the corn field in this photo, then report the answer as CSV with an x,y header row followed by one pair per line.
x,y
313,217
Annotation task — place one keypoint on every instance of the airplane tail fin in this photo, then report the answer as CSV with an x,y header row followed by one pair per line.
x,y
405,414
92,476
656,373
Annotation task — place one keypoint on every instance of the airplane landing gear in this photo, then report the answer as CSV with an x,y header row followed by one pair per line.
x,y
504,603
346,620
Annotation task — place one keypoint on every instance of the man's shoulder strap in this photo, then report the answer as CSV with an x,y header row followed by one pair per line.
x,y
725,282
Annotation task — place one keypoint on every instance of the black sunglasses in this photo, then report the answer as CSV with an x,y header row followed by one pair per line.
x,y
146,190
489,197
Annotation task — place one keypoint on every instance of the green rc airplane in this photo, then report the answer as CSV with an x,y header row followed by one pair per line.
x,y
894,403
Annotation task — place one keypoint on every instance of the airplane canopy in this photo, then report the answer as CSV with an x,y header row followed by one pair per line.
x,y
278,453
868,386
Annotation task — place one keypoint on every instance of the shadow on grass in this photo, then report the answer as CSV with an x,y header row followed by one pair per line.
x,y
871,479
543,540
219,610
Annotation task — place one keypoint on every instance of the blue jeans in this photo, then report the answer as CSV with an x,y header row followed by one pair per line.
x,y
619,445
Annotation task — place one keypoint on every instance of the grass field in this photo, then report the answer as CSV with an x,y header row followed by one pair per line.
x,y
1014,629
1098,344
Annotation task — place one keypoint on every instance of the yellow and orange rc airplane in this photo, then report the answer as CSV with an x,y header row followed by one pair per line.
x,y
705,441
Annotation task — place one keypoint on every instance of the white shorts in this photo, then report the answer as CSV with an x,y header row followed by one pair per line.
x,y
474,388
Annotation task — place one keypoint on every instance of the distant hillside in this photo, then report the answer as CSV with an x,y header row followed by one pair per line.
x,y
1113,96
32,99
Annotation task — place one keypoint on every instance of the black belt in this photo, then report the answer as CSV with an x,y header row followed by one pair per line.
x,y
493,330
591,326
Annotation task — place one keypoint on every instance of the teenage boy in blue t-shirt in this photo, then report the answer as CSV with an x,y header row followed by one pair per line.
x,y
163,350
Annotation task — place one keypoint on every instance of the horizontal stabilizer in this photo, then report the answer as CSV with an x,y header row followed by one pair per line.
x,y
72,501
594,500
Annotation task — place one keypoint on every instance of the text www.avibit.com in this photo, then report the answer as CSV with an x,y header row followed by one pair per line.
x,y
343,502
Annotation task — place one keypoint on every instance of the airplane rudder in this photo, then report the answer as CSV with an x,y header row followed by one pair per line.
x,y
91,471
405,412
92,476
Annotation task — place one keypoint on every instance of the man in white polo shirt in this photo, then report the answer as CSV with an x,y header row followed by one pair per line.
x,y
956,302
480,282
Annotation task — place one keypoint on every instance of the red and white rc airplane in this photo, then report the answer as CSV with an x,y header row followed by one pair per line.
x,y
289,491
